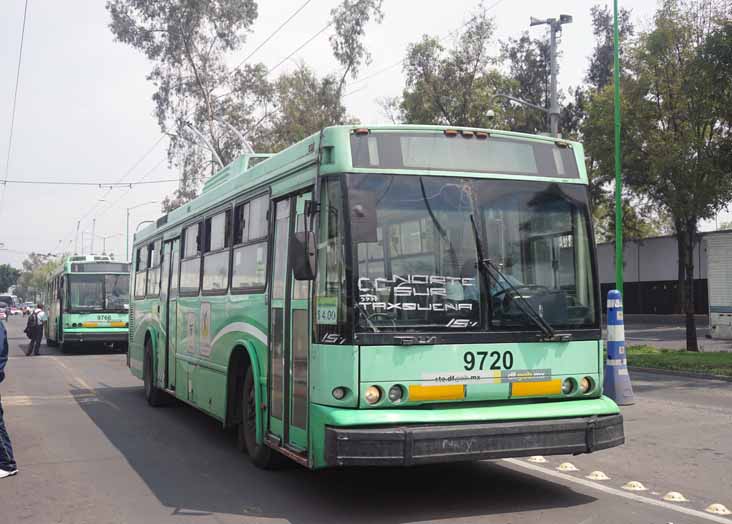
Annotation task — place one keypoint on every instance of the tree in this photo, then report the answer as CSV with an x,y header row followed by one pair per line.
x,y
305,104
190,43
34,276
677,144
8,276
600,70
451,86
529,65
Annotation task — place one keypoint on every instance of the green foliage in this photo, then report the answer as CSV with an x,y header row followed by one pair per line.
x,y
305,104
529,65
451,86
8,276
36,270
600,70
687,361
350,19
676,135
190,43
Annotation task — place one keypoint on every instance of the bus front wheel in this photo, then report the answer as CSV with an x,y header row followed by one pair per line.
x,y
153,395
262,456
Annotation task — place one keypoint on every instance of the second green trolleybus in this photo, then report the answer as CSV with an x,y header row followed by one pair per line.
x,y
87,301
391,295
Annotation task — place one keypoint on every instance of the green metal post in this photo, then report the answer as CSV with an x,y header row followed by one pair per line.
x,y
618,177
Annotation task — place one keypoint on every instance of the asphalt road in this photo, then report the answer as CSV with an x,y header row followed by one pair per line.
x,y
90,450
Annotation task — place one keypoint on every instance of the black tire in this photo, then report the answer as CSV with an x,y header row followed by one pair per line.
x,y
261,455
154,396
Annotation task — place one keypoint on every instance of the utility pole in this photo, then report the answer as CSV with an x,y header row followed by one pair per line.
x,y
555,26
76,237
94,227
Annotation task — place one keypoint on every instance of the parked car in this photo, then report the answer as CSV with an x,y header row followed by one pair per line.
x,y
15,310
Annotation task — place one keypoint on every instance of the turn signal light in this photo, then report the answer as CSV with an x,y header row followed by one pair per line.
x,y
361,131
451,132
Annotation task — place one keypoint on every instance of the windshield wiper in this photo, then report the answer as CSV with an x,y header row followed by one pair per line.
x,y
489,268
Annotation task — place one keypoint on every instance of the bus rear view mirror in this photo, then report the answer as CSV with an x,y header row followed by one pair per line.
x,y
363,216
302,255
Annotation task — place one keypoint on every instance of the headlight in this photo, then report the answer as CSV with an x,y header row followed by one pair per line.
x,y
339,393
567,386
373,394
585,385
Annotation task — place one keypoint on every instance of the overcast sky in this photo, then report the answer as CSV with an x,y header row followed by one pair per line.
x,y
84,110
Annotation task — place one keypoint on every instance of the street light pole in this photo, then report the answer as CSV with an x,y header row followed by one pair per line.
x,y
555,26
127,235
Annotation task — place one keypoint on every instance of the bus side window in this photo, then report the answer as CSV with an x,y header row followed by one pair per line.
x,y
190,267
153,275
249,270
332,315
141,271
216,252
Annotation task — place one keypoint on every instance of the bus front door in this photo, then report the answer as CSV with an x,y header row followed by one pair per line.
x,y
168,312
289,332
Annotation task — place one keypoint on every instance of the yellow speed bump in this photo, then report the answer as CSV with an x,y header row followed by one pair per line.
x,y
535,389
451,392
634,485
597,475
537,459
718,509
567,466
675,496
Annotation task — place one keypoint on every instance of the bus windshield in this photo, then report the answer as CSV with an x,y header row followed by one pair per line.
x,y
99,292
415,253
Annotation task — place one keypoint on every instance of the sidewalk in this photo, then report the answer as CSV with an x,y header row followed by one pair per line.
x,y
669,332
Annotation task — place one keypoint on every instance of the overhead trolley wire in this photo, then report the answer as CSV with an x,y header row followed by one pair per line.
x,y
119,183
15,100
101,185
271,35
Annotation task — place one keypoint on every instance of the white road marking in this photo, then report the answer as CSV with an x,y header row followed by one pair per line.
x,y
74,376
27,400
618,492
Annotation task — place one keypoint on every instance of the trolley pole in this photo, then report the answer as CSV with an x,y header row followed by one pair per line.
x,y
618,175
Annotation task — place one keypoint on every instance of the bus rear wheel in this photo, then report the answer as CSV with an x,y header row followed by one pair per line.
x,y
261,455
153,395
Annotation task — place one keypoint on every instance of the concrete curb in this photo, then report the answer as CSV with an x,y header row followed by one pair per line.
x,y
675,373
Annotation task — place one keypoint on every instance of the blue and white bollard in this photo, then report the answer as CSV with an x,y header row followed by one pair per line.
x,y
617,381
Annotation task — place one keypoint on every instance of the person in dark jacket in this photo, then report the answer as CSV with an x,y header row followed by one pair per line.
x,y
8,467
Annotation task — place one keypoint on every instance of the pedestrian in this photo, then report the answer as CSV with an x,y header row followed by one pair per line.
x,y
35,323
8,467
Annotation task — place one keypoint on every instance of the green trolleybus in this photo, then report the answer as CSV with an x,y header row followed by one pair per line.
x,y
391,295
87,301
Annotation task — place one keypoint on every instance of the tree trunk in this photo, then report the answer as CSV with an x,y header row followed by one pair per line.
x,y
690,240
681,284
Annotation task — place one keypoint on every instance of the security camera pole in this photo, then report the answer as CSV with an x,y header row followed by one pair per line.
x,y
555,26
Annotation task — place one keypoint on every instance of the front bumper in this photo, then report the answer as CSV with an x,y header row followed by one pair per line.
x,y
109,337
425,444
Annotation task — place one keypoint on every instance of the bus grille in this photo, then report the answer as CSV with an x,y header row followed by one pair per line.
x,y
131,323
